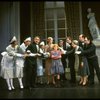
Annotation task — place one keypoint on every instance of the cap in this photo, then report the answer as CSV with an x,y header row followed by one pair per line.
x,y
42,43
27,39
13,39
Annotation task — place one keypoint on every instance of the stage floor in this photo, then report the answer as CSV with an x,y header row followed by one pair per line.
x,y
67,90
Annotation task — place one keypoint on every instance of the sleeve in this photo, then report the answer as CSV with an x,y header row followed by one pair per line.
x,y
92,48
10,52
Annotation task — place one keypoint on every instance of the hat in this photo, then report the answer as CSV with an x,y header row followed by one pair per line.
x,y
27,39
42,43
13,39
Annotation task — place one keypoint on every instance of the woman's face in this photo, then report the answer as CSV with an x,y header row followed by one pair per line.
x,y
73,45
14,43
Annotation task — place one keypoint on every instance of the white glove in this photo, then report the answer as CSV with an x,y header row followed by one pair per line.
x,y
19,55
78,52
28,51
32,54
38,54
46,54
64,51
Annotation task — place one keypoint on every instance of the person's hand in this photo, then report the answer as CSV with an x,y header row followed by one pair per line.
x,y
82,64
26,55
38,54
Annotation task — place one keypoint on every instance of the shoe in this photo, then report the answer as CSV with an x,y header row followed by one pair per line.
x,y
21,87
9,88
80,82
48,83
84,83
13,87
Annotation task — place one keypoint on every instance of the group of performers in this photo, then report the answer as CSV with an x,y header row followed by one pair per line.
x,y
33,56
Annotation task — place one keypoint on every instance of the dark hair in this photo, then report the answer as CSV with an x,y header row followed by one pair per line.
x,y
37,36
88,38
69,38
83,36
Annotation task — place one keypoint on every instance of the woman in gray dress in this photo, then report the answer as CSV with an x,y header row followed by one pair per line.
x,y
12,64
83,64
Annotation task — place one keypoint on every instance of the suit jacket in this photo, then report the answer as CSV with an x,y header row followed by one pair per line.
x,y
89,50
32,47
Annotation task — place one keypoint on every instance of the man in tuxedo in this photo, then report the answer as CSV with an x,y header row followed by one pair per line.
x,y
30,68
71,59
92,58
81,40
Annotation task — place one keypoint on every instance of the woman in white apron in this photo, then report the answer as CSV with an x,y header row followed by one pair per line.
x,y
12,64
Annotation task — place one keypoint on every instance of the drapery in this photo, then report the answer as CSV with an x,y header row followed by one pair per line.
x,y
72,19
38,23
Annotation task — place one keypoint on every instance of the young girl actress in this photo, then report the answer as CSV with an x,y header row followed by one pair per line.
x,y
57,67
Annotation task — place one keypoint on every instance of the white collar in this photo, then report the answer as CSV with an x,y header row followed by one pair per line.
x,y
77,48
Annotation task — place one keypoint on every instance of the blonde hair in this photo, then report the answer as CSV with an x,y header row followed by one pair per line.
x,y
75,42
55,45
49,38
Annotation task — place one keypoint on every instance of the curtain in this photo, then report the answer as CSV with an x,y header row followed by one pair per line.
x,y
72,19
38,19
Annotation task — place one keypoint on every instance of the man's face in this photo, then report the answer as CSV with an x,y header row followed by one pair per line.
x,y
86,41
68,40
37,40
61,43
81,38
27,43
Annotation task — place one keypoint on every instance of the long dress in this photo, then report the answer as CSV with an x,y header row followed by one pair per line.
x,y
48,60
83,70
12,63
7,67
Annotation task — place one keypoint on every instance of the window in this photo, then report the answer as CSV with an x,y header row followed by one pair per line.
x,y
55,20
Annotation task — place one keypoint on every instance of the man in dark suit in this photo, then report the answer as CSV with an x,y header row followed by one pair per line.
x,y
30,68
90,53
81,40
71,59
